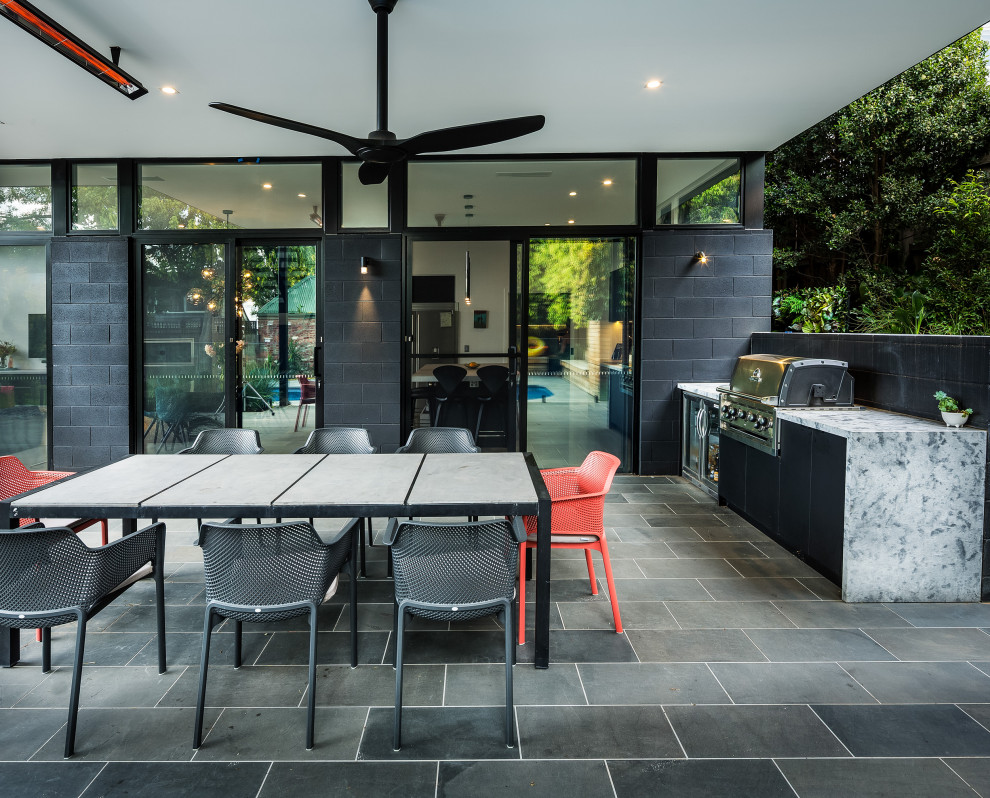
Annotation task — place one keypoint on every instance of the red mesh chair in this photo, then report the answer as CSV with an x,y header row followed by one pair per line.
x,y
577,521
307,397
15,478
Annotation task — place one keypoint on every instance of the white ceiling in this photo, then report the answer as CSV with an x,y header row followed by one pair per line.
x,y
737,76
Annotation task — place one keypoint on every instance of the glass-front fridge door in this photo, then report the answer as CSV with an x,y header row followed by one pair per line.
x,y
691,435
709,471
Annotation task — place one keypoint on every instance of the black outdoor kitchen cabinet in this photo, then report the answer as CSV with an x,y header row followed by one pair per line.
x,y
798,498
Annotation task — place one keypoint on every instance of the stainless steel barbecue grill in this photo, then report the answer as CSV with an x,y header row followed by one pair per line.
x,y
762,383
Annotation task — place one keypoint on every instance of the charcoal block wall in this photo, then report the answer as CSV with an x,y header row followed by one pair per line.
x,y
362,346
901,372
696,320
90,395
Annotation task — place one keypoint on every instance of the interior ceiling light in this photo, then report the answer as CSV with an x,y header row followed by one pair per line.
x,y
164,89
266,185
573,194
607,181
570,221
653,84
44,28
300,195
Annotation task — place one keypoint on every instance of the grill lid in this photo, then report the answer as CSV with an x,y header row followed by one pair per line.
x,y
793,381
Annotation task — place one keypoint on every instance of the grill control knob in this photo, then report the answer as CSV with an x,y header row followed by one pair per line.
x,y
751,417
761,421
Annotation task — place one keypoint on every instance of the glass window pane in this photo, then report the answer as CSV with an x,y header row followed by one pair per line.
x,y
184,343
94,196
241,196
698,191
23,355
509,193
362,206
25,197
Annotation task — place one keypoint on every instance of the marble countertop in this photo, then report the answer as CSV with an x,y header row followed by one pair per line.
x,y
861,420
706,389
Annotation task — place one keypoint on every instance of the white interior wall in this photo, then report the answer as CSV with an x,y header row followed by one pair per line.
x,y
490,262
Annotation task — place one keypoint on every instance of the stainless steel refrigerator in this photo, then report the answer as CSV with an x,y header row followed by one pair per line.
x,y
434,330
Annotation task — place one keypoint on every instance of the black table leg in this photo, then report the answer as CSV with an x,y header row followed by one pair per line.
x,y
128,526
10,647
542,631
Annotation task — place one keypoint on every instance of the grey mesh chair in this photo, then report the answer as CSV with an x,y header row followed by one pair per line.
x,y
439,440
49,577
451,389
455,572
342,440
226,441
272,572
494,383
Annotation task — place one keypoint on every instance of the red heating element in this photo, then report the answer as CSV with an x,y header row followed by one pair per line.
x,y
43,27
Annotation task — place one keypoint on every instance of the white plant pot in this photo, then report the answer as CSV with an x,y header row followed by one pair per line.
x,y
954,419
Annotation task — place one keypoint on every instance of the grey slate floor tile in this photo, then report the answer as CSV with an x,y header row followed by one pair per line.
x,y
908,730
351,779
698,778
726,614
934,643
974,771
816,645
789,683
752,732
596,731
546,778
438,733
873,778
839,615
695,645
922,682
192,779
47,779
651,683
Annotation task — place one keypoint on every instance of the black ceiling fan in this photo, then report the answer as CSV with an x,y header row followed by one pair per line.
x,y
382,149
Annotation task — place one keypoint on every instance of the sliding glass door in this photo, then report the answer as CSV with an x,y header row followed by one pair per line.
x,y
579,350
229,338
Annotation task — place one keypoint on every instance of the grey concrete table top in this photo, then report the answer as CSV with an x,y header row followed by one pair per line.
x,y
474,480
354,479
126,483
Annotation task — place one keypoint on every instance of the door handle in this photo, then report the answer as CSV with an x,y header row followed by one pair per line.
x,y
705,423
317,370
697,422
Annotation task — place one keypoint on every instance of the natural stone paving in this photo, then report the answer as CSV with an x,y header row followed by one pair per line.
x,y
740,673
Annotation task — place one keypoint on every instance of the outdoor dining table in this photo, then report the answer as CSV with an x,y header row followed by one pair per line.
x,y
301,486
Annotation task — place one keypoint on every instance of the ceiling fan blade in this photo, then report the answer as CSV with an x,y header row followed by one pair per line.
x,y
463,136
372,173
348,142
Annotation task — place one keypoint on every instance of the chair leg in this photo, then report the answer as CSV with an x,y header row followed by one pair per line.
x,y
397,730
296,428
70,731
371,534
360,532
395,630
46,649
591,572
522,594
104,531
204,664
354,617
237,644
509,653
512,619
311,707
160,612
611,585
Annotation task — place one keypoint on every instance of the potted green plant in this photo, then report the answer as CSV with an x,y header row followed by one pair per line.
x,y
951,414
6,350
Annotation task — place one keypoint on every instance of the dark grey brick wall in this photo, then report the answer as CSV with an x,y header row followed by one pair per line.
x,y
89,351
696,320
361,336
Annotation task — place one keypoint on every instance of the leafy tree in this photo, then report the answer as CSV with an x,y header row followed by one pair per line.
x,y
854,197
25,208
718,204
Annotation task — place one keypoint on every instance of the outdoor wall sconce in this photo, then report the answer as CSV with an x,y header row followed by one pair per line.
x,y
366,264
701,257
467,278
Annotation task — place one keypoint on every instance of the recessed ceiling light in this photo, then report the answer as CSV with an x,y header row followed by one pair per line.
x,y
607,181
300,195
546,224
169,90
653,84
181,226
570,221
573,194
266,185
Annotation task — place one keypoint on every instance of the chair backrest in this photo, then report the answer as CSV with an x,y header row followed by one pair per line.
x,y
226,441
14,477
338,440
493,377
170,404
307,389
268,565
439,440
597,471
450,377
454,564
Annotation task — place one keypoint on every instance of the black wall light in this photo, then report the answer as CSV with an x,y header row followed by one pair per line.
x,y
467,278
701,257
366,264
